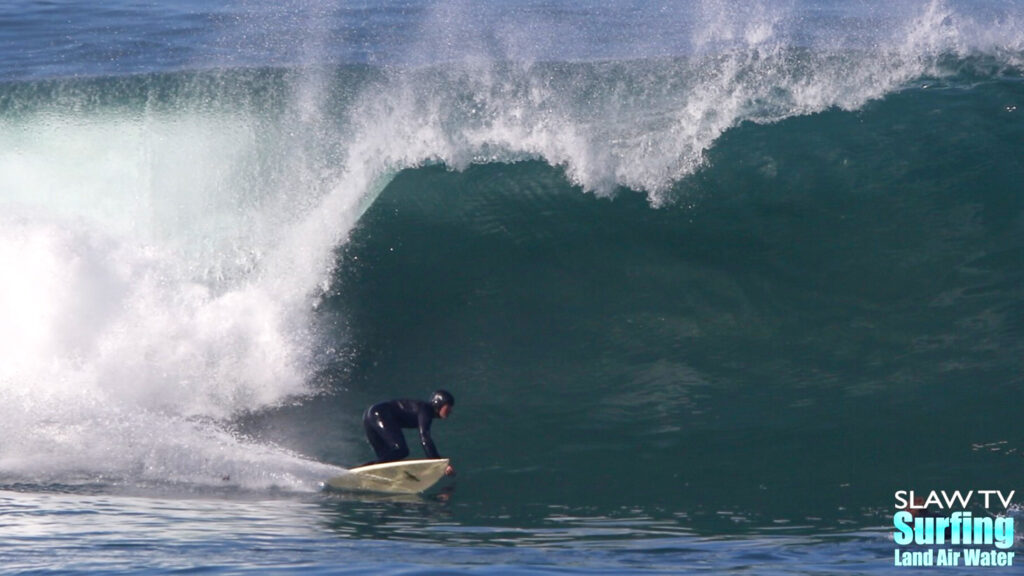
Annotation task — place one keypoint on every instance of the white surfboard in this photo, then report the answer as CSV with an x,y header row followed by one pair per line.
x,y
402,477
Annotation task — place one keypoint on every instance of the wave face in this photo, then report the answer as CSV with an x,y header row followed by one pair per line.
x,y
722,243
830,310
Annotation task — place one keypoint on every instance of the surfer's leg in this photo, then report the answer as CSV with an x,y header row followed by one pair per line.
x,y
372,425
385,435
395,442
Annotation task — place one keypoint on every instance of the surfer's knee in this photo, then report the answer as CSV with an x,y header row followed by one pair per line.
x,y
401,452
370,420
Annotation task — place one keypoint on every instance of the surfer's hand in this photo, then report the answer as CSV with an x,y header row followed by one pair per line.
x,y
449,471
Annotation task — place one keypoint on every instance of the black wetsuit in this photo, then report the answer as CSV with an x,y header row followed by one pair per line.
x,y
384,422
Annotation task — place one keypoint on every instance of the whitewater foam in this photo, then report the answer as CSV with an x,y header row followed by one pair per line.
x,y
109,363
136,303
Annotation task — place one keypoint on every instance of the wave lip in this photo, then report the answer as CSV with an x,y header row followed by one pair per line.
x,y
646,122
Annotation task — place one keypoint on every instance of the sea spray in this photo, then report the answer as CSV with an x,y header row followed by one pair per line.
x,y
138,310
643,124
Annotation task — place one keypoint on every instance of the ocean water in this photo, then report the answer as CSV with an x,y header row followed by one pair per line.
x,y
710,281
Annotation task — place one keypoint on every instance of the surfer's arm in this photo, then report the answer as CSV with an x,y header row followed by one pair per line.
x,y
431,450
428,443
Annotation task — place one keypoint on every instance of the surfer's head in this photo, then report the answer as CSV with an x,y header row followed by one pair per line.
x,y
443,402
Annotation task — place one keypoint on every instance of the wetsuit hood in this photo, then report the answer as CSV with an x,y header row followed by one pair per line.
x,y
441,398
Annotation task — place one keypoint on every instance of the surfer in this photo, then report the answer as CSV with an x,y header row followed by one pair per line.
x,y
384,422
